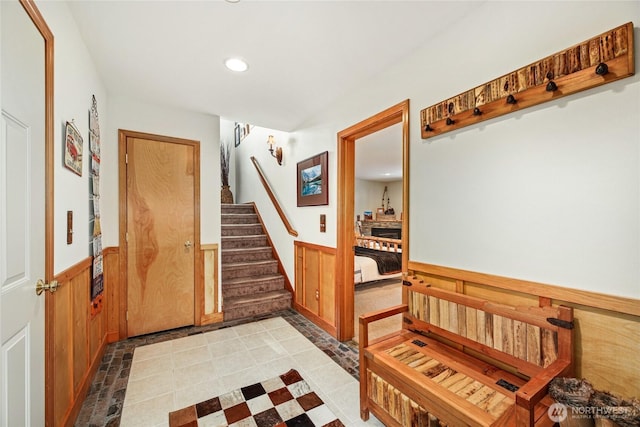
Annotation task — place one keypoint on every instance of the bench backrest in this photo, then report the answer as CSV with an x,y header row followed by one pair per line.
x,y
526,338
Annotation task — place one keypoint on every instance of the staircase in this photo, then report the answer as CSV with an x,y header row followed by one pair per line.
x,y
251,283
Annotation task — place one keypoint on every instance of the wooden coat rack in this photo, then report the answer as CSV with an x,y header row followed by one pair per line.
x,y
594,62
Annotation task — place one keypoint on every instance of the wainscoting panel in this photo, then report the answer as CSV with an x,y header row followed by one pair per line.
x,y
111,268
208,297
78,341
606,331
315,290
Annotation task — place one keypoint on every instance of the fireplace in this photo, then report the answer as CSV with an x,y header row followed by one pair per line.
x,y
389,233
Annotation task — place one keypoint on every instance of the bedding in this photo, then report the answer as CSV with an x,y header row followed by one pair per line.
x,y
376,258
366,270
388,262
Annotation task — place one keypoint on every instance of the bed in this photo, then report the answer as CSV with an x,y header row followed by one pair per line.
x,y
376,258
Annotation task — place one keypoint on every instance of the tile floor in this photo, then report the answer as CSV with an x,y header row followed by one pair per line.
x,y
141,379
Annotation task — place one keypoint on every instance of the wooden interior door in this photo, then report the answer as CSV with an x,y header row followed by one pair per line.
x,y
25,245
161,234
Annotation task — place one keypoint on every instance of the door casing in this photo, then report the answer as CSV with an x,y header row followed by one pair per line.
x,y
398,113
123,135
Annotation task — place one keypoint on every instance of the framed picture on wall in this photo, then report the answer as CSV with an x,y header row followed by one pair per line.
x,y
73,149
313,181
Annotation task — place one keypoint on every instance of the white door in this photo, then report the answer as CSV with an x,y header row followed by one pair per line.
x,y
22,218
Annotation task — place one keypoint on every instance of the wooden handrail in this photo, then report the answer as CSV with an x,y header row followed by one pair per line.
x,y
272,196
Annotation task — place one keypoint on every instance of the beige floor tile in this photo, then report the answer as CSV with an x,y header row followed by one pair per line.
x,y
149,388
243,378
149,413
269,352
221,335
225,348
152,350
232,363
330,377
284,332
312,359
257,340
274,323
197,393
187,343
148,367
194,374
347,399
191,356
249,328
297,344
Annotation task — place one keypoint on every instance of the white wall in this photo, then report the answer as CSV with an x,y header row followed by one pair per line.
x,y
128,114
227,136
550,194
280,177
368,196
75,81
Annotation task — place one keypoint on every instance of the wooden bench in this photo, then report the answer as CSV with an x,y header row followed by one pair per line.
x,y
459,360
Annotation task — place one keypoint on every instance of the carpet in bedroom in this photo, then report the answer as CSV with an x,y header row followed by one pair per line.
x,y
376,296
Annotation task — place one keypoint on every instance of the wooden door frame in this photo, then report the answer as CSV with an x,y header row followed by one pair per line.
x,y
198,292
399,113
41,25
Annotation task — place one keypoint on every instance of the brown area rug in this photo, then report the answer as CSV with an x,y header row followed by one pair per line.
x,y
286,400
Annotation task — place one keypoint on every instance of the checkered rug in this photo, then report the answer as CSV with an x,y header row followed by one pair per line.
x,y
286,400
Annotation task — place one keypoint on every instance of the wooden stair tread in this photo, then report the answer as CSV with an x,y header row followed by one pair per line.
x,y
254,298
243,264
246,237
251,279
245,250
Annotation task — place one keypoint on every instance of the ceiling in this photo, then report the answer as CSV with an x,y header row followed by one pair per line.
x,y
302,54
379,155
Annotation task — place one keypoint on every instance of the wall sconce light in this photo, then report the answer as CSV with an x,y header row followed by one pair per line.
x,y
275,152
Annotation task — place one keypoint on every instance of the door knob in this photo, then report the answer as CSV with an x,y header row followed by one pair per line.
x,y
187,244
41,286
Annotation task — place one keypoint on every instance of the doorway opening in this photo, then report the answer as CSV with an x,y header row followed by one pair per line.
x,y
346,207
378,227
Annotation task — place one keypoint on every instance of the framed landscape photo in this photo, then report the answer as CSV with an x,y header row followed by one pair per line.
x,y
313,181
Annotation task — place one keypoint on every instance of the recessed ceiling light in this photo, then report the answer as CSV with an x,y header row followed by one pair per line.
x,y
387,174
236,64
233,1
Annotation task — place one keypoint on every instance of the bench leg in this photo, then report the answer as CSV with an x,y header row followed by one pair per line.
x,y
364,414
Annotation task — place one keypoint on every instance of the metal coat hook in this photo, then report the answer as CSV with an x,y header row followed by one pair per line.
x,y
552,86
428,128
476,111
450,121
511,99
602,69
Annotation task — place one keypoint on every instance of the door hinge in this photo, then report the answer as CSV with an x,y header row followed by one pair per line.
x,y
126,315
126,158
126,237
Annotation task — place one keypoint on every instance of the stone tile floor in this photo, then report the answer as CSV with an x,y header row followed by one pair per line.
x,y
105,399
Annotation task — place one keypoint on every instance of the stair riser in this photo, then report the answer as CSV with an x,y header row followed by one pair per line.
x,y
239,219
241,230
252,288
232,257
237,209
244,243
250,270
256,309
